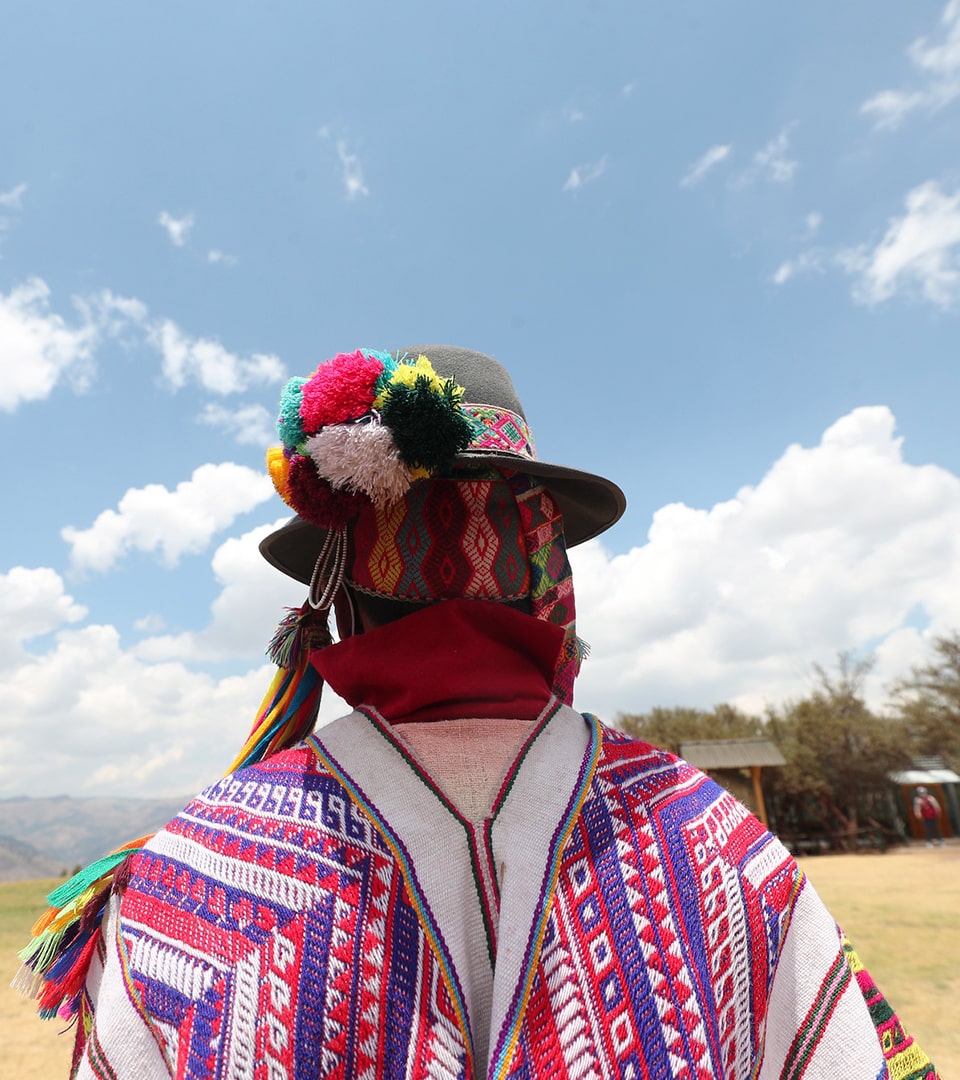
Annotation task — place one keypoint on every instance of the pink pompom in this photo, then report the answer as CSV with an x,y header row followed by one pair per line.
x,y
341,389
361,457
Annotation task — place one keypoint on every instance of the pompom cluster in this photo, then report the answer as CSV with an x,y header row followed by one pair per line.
x,y
365,425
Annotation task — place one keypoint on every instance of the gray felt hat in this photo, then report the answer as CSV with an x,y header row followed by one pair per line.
x,y
590,503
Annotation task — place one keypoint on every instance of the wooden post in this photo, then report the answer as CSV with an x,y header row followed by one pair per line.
x,y
758,795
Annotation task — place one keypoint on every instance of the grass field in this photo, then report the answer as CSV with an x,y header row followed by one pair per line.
x,y
901,910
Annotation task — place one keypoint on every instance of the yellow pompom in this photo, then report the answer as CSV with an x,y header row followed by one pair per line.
x,y
278,466
406,374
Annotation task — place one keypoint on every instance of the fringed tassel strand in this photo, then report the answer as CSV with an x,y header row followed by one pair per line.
x,y
289,707
56,959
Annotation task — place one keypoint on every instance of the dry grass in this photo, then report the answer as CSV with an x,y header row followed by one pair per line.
x,y
32,1047
901,910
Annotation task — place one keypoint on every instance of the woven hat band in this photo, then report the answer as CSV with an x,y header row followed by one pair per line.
x,y
501,430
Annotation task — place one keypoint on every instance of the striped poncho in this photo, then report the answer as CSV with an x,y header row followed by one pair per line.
x,y
333,912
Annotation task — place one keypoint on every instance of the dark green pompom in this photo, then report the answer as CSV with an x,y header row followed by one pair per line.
x,y
428,428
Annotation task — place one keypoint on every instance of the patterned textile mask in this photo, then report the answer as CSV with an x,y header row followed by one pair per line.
x,y
486,539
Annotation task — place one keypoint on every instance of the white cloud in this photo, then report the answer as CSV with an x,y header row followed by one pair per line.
x,y
249,424
705,163
832,550
86,715
38,348
772,163
250,603
918,251
208,363
628,89
32,602
215,255
173,523
585,174
812,260
351,172
813,221
178,229
13,199
573,115
938,69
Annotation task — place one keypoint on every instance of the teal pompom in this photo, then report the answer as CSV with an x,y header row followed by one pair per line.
x,y
289,424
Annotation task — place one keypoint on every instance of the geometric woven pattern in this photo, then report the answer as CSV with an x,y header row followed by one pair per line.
x,y
280,895
638,974
269,932
446,539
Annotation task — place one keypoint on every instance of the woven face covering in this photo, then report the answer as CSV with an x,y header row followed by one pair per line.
x,y
446,539
495,540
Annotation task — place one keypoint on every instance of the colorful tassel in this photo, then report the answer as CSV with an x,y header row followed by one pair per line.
x,y
56,959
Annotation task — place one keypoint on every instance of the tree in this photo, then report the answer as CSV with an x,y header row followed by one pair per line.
x,y
839,755
668,728
928,702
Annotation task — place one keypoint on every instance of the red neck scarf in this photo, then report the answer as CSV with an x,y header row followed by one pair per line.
x,y
451,660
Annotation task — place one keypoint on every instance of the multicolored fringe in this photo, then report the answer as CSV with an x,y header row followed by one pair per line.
x,y
905,1059
65,938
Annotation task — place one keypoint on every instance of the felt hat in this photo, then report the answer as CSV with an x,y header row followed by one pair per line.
x,y
590,504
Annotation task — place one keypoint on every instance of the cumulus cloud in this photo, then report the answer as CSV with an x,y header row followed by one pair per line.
x,y
705,163
206,362
836,548
177,229
581,175
937,76
918,252
32,602
88,717
250,603
249,424
171,523
86,714
38,347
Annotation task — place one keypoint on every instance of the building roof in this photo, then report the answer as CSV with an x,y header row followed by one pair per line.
x,y
925,776
731,753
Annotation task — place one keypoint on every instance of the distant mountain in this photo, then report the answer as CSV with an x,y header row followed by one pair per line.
x,y
63,832
21,862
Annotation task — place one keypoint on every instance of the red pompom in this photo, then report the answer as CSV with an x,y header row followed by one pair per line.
x,y
314,499
339,390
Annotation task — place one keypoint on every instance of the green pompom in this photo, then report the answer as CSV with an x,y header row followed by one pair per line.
x,y
428,427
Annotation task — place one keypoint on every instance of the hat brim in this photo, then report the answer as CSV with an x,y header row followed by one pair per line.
x,y
590,504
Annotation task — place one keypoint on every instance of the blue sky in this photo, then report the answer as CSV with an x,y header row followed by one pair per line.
x,y
717,246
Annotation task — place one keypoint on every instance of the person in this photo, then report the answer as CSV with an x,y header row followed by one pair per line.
x,y
463,877
927,809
